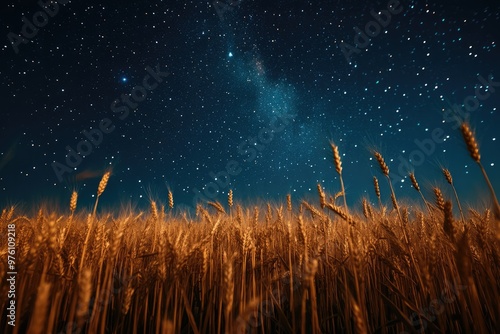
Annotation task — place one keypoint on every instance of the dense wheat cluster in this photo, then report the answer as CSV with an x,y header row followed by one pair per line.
x,y
290,267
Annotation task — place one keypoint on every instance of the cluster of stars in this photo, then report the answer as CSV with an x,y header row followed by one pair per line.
x,y
228,79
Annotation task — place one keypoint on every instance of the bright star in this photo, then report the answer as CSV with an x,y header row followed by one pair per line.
x,y
124,79
230,54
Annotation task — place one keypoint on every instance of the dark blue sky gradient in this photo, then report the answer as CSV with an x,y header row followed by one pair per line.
x,y
265,63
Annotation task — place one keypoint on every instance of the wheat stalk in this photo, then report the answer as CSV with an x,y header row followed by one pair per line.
x,y
217,206
84,294
449,179
228,295
100,189
38,319
338,168
473,148
385,170
416,186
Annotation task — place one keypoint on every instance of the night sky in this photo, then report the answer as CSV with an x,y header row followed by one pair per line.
x,y
254,88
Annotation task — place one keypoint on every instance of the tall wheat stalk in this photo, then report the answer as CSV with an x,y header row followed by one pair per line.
x,y
100,189
416,186
473,148
338,168
449,179
385,170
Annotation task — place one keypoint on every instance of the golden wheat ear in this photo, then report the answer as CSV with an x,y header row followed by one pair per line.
x,y
415,184
449,179
338,167
473,148
100,189
385,170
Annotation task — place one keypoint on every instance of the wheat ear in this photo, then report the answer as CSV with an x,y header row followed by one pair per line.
x,y
170,200
338,168
230,203
73,201
376,186
385,170
101,188
473,148
439,198
415,184
449,179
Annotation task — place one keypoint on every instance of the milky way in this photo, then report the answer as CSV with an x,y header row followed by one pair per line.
x,y
259,86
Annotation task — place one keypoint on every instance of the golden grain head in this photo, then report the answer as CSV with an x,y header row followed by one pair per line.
x,y
447,175
383,166
322,196
376,186
103,183
289,202
154,210
336,158
470,142
414,181
439,198
170,200
73,201
230,198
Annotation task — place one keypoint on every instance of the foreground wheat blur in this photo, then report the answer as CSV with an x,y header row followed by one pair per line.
x,y
296,267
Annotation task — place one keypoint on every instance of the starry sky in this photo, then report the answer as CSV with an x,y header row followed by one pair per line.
x,y
203,96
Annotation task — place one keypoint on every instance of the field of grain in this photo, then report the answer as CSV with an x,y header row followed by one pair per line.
x,y
291,267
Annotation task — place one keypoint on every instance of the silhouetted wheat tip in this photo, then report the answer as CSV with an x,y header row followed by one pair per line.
x,y
414,181
439,198
73,201
383,166
470,141
336,158
289,202
376,186
103,183
447,175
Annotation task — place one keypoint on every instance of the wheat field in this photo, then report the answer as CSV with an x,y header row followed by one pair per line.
x,y
291,267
